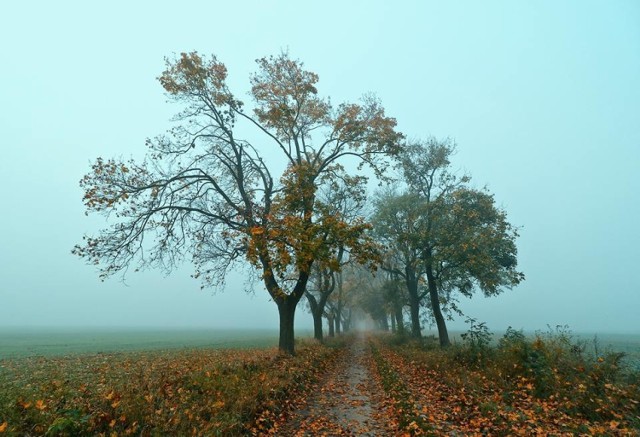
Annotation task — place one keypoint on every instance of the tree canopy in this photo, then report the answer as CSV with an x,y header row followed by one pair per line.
x,y
208,189
442,235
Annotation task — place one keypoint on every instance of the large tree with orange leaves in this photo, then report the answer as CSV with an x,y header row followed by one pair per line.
x,y
209,189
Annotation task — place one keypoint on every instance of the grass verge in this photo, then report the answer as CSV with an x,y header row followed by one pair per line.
x,y
408,415
546,385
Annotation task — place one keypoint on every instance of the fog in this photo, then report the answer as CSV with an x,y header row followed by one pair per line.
x,y
542,98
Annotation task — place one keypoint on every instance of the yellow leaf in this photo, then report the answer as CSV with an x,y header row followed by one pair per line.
x,y
218,404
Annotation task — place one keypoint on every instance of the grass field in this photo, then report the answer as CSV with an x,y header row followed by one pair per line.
x,y
16,343
629,344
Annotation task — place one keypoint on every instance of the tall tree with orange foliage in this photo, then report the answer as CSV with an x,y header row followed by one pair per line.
x,y
209,189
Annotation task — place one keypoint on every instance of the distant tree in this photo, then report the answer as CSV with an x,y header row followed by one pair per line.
x,y
337,303
476,251
343,200
329,314
395,296
373,304
206,188
321,285
452,234
368,296
397,220
351,281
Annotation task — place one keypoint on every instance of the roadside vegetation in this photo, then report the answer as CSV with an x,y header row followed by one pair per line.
x,y
549,384
546,385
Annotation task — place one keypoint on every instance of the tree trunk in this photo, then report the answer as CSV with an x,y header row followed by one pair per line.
x,y
399,318
286,305
346,322
287,311
384,323
414,302
316,312
338,326
317,327
393,325
443,335
332,332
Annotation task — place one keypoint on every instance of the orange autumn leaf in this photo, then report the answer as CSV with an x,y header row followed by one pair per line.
x,y
40,405
613,424
257,231
3,426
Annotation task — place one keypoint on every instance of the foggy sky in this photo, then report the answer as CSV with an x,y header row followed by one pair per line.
x,y
542,98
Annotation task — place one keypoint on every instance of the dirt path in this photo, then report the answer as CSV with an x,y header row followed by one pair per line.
x,y
345,403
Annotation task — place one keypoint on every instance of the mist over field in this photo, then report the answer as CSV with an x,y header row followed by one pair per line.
x,y
59,341
542,100
21,342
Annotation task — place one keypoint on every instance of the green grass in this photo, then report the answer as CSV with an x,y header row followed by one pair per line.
x,y
16,343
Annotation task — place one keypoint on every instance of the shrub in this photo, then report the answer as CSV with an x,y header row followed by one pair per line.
x,y
476,343
478,335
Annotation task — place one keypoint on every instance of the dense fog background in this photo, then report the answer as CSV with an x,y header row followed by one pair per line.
x,y
542,98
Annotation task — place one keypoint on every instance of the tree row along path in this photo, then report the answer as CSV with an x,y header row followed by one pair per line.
x,y
348,401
